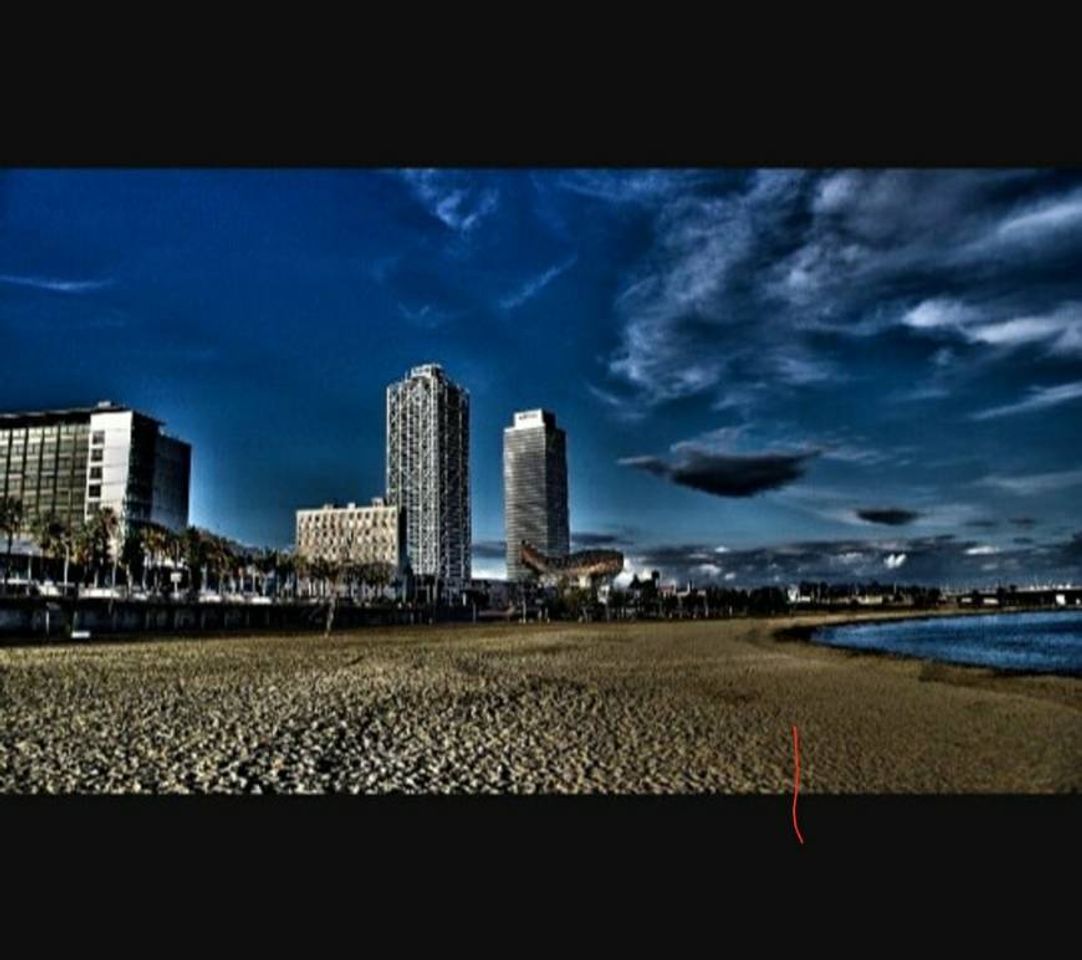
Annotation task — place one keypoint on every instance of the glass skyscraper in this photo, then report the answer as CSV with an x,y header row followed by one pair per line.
x,y
535,489
428,472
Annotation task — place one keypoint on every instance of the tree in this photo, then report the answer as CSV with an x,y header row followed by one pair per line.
x,y
155,545
380,575
194,548
51,536
11,521
104,529
133,554
82,551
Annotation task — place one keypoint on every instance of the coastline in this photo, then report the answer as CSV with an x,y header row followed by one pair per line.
x,y
803,632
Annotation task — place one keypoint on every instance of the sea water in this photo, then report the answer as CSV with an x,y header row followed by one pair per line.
x,y
1032,642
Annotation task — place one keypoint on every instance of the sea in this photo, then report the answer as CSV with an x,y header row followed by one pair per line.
x,y
1045,642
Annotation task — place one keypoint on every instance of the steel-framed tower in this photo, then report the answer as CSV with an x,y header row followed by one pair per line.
x,y
428,458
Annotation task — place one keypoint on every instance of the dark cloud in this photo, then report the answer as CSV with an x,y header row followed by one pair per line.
x,y
490,549
726,475
982,524
1024,521
595,539
935,561
889,516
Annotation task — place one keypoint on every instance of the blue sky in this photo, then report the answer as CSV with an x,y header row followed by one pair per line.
x,y
765,375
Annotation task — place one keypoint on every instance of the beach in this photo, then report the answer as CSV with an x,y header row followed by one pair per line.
x,y
671,707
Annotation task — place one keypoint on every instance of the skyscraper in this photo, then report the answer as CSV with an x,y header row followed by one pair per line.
x,y
428,471
535,489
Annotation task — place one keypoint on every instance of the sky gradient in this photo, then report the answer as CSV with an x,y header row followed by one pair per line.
x,y
765,375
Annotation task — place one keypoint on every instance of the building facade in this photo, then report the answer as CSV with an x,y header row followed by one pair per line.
x,y
374,534
428,456
68,464
534,489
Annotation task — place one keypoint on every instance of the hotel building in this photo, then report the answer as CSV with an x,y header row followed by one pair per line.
x,y
534,489
68,464
428,459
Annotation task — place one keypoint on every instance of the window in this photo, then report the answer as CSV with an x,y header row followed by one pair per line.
x,y
95,456
94,490
95,473
98,437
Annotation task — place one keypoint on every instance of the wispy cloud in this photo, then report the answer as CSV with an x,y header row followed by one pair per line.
x,y
427,316
533,287
1042,219
1034,483
632,186
54,284
452,198
625,409
1001,326
756,280
1040,398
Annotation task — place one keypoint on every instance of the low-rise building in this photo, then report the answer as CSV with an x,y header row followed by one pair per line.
x,y
353,534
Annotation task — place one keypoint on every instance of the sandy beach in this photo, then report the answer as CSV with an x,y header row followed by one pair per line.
x,y
675,707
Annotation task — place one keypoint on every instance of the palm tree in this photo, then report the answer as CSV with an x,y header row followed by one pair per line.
x,y
134,554
154,545
49,535
82,550
286,570
103,529
11,521
195,548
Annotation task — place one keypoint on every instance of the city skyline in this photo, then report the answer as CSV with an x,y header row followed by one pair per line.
x,y
770,375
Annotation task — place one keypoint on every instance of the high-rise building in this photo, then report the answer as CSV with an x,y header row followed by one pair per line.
x,y
534,489
68,464
428,461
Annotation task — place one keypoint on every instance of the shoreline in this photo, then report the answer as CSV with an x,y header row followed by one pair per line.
x,y
803,633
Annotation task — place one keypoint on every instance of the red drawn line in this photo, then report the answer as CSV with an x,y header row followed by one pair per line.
x,y
796,781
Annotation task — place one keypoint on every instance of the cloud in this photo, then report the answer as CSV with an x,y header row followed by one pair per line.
x,y
1040,398
1000,325
935,561
1024,521
1042,220
890,516
428,317
533,287
55,285
754,283
490,549
589,540
725,475
635,187
452,198
1036,483
625,409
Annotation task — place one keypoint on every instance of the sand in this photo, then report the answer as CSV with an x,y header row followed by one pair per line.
x,y
675,707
